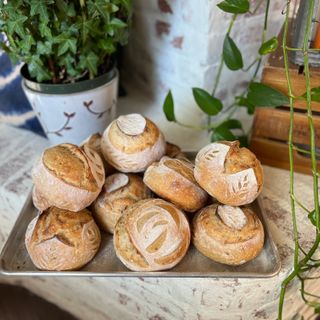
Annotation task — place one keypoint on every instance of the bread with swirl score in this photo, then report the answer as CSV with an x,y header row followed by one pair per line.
x,y
68,177
152,235
132,142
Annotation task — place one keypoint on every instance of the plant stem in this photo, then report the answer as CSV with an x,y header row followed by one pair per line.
x,y
290,91
309,112
218,75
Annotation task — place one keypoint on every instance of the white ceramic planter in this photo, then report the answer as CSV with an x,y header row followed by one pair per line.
x,y
72,117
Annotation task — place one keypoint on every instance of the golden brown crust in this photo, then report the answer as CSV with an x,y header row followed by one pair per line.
x,y
152,235
132,144
68,177
173,180
116,196
239,159
62,240
231,174
225,244
69,163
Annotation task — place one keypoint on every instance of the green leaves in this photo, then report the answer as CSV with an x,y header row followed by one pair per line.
x,y
244,102
76,39
207,103
231,54
234,6
66,44
268,46
89,62
223,131
315,94
312,217
168,107
261,95
37,70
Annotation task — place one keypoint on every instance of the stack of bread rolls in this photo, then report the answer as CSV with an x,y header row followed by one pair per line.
x,y
133,184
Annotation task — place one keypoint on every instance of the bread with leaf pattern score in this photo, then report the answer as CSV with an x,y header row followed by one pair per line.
x,y
230,174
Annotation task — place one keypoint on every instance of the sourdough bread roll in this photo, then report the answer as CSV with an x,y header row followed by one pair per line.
x,y
67,177
226,234
173,151
231,174
173,180
152,235
120,191
62,240
131,143
94,142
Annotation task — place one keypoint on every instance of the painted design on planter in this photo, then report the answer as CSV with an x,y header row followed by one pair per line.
x,y
88,105
164,6
64,127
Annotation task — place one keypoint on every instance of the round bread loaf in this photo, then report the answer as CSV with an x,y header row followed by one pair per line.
x,y
152,235
173,151
231,174
226,234
67,177
94,142
62,240
131,143
173,180
120,191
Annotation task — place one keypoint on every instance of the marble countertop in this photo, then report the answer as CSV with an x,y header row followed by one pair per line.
x,y
159,298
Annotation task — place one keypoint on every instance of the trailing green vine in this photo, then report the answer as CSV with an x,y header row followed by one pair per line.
x,y
302,265
255,94
260,95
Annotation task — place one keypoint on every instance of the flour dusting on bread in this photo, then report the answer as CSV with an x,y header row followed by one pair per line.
x,y
115,182
132,124
233,217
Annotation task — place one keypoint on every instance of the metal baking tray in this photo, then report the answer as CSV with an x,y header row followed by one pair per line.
x,y
15,261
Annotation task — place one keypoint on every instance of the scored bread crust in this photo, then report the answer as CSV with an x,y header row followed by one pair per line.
x,y
132,153
62,240
94,142
114,200
231,174
173,180
225,244
152,235
56,191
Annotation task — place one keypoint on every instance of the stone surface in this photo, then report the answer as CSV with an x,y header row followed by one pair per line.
x,y
158,298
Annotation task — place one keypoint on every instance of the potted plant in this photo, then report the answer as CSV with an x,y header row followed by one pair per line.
x,y
69,50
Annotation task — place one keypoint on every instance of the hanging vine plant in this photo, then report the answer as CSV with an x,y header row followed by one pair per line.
x,y
258,95
255,95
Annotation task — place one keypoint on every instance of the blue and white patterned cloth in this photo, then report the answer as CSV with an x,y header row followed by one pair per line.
x,y
14,106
